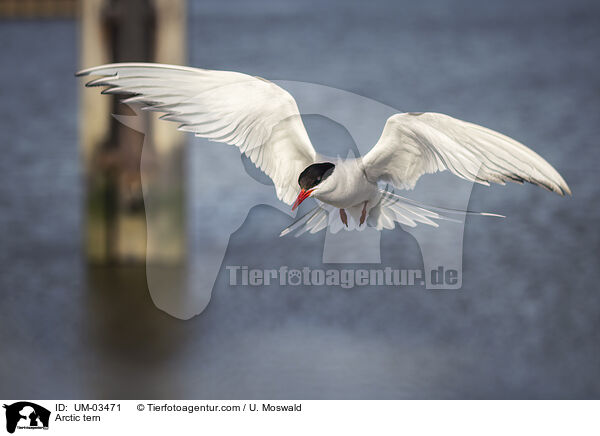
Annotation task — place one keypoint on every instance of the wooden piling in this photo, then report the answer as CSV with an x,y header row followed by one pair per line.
x,y
122,224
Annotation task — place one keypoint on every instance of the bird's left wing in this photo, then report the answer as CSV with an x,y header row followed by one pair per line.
x,y
413,144
255,115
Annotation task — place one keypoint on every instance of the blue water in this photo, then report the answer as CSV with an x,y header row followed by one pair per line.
x,y
526,323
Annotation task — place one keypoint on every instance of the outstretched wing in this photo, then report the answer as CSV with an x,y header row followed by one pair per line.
x,y
249,112
413,144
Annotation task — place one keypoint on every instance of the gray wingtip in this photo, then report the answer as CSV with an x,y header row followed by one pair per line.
x,y
85,72
125,65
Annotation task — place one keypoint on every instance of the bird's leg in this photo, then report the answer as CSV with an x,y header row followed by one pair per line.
x,y
363,215
344,217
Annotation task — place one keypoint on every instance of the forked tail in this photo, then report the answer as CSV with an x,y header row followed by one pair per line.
x,y
391,209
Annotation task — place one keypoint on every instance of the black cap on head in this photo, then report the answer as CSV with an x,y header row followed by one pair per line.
x,y
315,174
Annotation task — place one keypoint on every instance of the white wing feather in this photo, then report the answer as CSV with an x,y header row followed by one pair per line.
x,y
413,144
249,112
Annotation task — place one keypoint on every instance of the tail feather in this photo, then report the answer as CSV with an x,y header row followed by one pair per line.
x,y
439,208
391,209
314,221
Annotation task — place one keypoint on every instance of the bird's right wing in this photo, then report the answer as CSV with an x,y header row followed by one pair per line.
x,y
413,144
249,112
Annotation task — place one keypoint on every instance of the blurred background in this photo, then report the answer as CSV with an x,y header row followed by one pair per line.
x,y
76,316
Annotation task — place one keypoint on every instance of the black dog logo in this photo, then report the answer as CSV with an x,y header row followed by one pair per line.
x,y
30,415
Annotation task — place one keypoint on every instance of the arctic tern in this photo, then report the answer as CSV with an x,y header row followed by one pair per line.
x,y
264,122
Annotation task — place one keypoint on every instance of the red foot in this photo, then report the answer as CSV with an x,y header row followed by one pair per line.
x,y
344,217
363,215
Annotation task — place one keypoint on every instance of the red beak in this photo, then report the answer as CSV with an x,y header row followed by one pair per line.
x,y
301,197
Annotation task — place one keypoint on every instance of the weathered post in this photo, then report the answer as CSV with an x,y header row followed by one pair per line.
x,y
116,225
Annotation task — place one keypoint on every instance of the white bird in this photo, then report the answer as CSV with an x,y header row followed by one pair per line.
x,y
264,122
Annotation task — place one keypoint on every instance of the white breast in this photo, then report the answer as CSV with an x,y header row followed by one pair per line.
x,y
347,186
